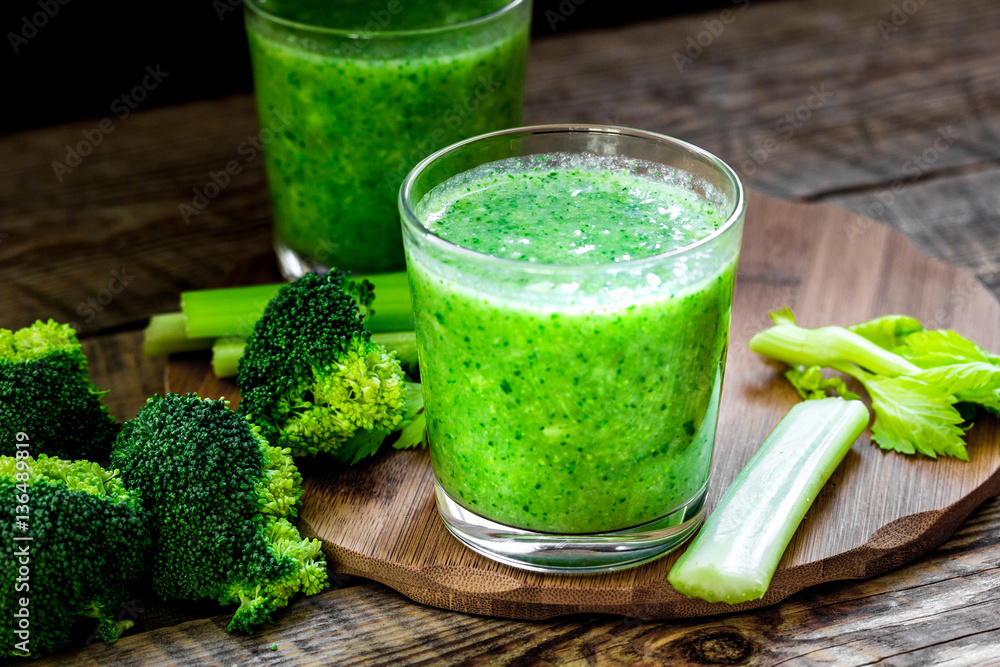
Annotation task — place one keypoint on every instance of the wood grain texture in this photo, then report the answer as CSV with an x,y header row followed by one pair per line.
x,y
107,246
948,608
119,367
884,94
889,98
878,511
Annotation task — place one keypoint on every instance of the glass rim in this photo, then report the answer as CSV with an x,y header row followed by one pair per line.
x,y
364,34
413,224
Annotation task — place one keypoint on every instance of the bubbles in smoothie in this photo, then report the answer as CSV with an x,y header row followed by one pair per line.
x,y
570,209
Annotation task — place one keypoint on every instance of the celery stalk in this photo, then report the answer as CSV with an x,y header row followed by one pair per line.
x,y
825,346
167,333
226,353
233,311
734,556
227,311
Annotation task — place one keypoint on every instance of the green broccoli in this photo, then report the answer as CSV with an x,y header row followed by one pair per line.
x,y
220,499
71,538
45,390
312,377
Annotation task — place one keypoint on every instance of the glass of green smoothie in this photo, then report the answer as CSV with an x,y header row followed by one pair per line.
x,y
572,289
351,94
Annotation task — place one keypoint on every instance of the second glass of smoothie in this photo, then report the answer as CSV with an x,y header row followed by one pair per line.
x,y
572,289
351,94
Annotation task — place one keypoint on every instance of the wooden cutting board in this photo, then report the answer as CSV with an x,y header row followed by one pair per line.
x,y
878,511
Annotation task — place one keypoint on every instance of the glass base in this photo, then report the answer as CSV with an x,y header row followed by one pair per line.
x,y
294,264
571,554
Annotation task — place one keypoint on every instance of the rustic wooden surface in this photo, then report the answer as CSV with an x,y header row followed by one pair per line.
x,y
378,519
893,83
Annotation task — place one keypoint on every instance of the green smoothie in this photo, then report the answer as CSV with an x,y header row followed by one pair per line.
x,y
589,404
359,104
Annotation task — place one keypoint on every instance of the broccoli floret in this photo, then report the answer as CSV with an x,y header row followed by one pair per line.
x,y
312,377
45,390
88,539
220,499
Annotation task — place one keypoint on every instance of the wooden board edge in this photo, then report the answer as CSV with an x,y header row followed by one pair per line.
x,y
886,549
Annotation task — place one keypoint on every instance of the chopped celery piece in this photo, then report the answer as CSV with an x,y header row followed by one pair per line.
x,y
734,556
227,311
924,384
233,311
824,346
166,334
226,352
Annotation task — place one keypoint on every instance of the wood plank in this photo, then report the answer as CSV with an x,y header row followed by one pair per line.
x,y
118,366
954,218
119,208
107,247
887,96
952,595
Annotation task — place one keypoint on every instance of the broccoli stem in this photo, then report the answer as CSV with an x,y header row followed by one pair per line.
x,y
734,556
226,352
233,311
827,346
167,333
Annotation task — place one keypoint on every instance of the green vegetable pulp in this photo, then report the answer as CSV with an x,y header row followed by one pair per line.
x,y
343,120
575,416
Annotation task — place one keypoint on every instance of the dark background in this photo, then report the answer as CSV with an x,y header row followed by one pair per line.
x,y
77,62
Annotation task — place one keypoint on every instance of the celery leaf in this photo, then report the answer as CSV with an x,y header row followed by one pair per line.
x,y
783,315
888,331
912,415
811,384
976,382
929,349
925,385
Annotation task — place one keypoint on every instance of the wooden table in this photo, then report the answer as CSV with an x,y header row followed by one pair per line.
x,y
887,109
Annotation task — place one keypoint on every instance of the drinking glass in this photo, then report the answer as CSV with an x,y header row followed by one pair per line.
x,y
571,406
